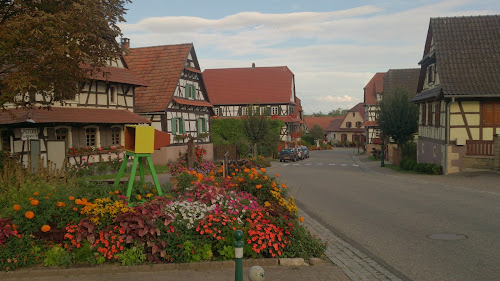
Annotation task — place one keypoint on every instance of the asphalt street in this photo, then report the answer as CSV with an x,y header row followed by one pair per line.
x,y
417,230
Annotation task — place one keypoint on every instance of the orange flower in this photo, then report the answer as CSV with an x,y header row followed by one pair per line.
x,y
17,207
116,191
75,209
60,204
45,228
35,202
139,197
71,198
236,170
301,219
78,202
240,179
233,174
263,170
283,185
265,177
29,215
36,193
277,175
258,186
246,170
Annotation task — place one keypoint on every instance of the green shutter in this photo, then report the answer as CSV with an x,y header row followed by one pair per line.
x,y
204,125
174,127
187,89
198,126
268,111
279,110
193,91
182,129
239,111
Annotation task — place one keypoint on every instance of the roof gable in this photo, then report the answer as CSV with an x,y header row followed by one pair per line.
x,y
467,52
253,85
161,67
403,79
323,122
374,87
358,108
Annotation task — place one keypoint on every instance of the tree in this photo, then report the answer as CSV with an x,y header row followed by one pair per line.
x,y
338,112
398,117
317,132
255,128
49,47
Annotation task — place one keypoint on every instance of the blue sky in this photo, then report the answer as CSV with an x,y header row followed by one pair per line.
x,y
332,47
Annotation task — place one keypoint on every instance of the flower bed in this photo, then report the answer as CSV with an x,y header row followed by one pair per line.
x,y
194,220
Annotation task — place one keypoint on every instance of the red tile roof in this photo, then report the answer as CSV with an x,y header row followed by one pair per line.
x,y
287,119
70,115
359,108
323,122
259,85
335,125
192,102
374,87
120,75
161,68
370,124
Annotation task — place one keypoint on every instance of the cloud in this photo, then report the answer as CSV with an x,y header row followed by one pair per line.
x,y
333,54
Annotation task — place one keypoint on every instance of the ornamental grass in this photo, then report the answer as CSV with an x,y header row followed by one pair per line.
x,y
91,223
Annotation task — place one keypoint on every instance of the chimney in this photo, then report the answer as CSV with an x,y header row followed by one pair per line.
x,y
125,44
253,65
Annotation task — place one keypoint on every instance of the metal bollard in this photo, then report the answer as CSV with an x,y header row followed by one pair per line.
x,y
238,255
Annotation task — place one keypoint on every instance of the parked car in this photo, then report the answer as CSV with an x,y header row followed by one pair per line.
x,y
288,154
305,152
300,155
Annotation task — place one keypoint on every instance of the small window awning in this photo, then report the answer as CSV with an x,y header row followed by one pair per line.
x,y
192,102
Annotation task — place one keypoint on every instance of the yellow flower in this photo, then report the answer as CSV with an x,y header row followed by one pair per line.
x,y
267,204
149,195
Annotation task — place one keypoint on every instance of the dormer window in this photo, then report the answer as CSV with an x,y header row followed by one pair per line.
x,y
348,124
431,73
190,91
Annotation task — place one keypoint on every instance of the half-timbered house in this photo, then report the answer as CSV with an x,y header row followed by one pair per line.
x,y
459,94
175,100
85,128
271,90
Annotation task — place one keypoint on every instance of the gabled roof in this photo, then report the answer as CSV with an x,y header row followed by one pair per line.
x,y
358,108
374,87
323,122
161,68
70,115
467,53
253,85
403,79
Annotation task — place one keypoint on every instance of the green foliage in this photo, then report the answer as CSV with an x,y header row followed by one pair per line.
x,y
84,254
398,117
21,252
132,256
57,256
227,252
308,139
317,132
303,244
197,253
428,168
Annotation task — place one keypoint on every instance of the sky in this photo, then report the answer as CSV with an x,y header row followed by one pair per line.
x,y
333,47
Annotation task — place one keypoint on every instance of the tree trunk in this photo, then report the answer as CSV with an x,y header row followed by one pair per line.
x,y
191,153
255,150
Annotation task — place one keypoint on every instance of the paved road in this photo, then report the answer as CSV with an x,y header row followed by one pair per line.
x,y
391,218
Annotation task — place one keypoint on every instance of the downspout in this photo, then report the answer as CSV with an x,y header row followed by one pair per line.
x,y
445,170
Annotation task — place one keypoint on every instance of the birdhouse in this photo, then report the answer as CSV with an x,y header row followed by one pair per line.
x,y
139,139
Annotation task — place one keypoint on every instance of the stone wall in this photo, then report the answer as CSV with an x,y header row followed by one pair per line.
x,y
477,162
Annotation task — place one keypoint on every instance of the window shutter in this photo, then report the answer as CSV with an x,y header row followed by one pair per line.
x,y
429,114
438,114
198,126
239,111
174,127
193,92
268,111
424,113
497,113
181,126
279,110
204,125
488,113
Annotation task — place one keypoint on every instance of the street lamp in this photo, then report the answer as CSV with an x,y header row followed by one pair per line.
x,y
382,164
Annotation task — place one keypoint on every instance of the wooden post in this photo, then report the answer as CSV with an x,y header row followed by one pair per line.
x,y
191,152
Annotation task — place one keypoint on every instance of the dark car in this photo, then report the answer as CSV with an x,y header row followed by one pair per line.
x,y
288,154
305,152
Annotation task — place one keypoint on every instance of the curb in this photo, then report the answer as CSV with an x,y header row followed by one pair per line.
x,y
117,268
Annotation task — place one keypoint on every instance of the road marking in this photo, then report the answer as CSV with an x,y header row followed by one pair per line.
x,y
319,164
296,164
343,165
331,164
286,164
354,165
308,164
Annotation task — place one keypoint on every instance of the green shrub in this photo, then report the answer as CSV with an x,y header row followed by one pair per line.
x,y
57,256
428,168
21,251
407,164
303,244
132,256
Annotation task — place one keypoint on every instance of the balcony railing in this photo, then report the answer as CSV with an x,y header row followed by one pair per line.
x,y
479,148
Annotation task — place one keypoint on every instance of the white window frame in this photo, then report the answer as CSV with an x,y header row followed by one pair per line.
x,y
112,95
263,110
216,111
274,110
120,138
244,110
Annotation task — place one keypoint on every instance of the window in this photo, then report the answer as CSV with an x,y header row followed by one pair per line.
x,y
431,73
201,125
116,135
178,126
274,110
62,134
437,115
348,124
190,91
244,110
358,124
112,95
262,111
216,111
5,140
490,114
429,114
354,114
343,137
424,114
91,136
